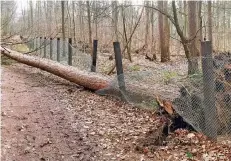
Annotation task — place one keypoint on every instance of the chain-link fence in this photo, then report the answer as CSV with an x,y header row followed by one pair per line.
x,y
203,99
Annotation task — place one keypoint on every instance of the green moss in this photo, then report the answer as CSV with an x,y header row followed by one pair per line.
x,y
20,48
6,61
134,68
168,75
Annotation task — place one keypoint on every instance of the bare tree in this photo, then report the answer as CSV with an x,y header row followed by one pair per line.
x,y
185,18
164,49
210,21
125,33
89,25
81,28
96,18
192,21
199,23
115,19
63,25
147,23
224,26
152,30
166,34
31,16
73,21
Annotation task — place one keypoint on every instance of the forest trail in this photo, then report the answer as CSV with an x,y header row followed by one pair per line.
x,y
47,118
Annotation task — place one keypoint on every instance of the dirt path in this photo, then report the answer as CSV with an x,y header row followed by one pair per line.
x,y
47,118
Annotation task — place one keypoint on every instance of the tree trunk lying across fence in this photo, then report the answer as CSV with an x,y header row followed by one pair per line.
x,y
93,81
88,80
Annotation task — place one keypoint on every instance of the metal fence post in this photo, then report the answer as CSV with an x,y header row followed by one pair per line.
x,y
45,47
51,48
64,48
119,66
58,49
35,43
94,56
210,111
69,51
40,46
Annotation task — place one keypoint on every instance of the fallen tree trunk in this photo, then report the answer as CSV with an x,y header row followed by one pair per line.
x,y
96,82
86,79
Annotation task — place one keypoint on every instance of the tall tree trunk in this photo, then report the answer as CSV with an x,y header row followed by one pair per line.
x,y
153,40
217,24
167,32
185,18
39,17
96,19
69,30
163,48
193,63
125,33
199,26
224,27
199,20
63,26
115,19
147,23
82,36
210,36
50,8
89,25
73,21
31,17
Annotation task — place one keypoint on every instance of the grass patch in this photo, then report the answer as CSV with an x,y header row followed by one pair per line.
x,y
22,48
134,68
196,79
150,105
168,76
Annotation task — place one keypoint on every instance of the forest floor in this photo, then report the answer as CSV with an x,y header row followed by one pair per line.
x,y
47,118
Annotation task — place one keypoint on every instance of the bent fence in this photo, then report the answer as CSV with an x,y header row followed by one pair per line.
x,y
202,99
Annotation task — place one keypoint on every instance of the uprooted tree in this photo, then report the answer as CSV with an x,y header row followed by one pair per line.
x,y
92,81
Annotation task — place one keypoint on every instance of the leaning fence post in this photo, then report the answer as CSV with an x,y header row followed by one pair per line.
x,y
119,66
45,47
210,112
51,48
40,46
58,49
94,56
69,51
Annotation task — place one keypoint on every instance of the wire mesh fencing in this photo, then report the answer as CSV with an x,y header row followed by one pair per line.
x,y
203,99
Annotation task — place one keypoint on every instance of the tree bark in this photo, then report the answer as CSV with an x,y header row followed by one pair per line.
x,y
193,63
88,80
210,21
125,34
162,34
63,27
73,21
115,19
167,32
153,40
89,25
147,23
